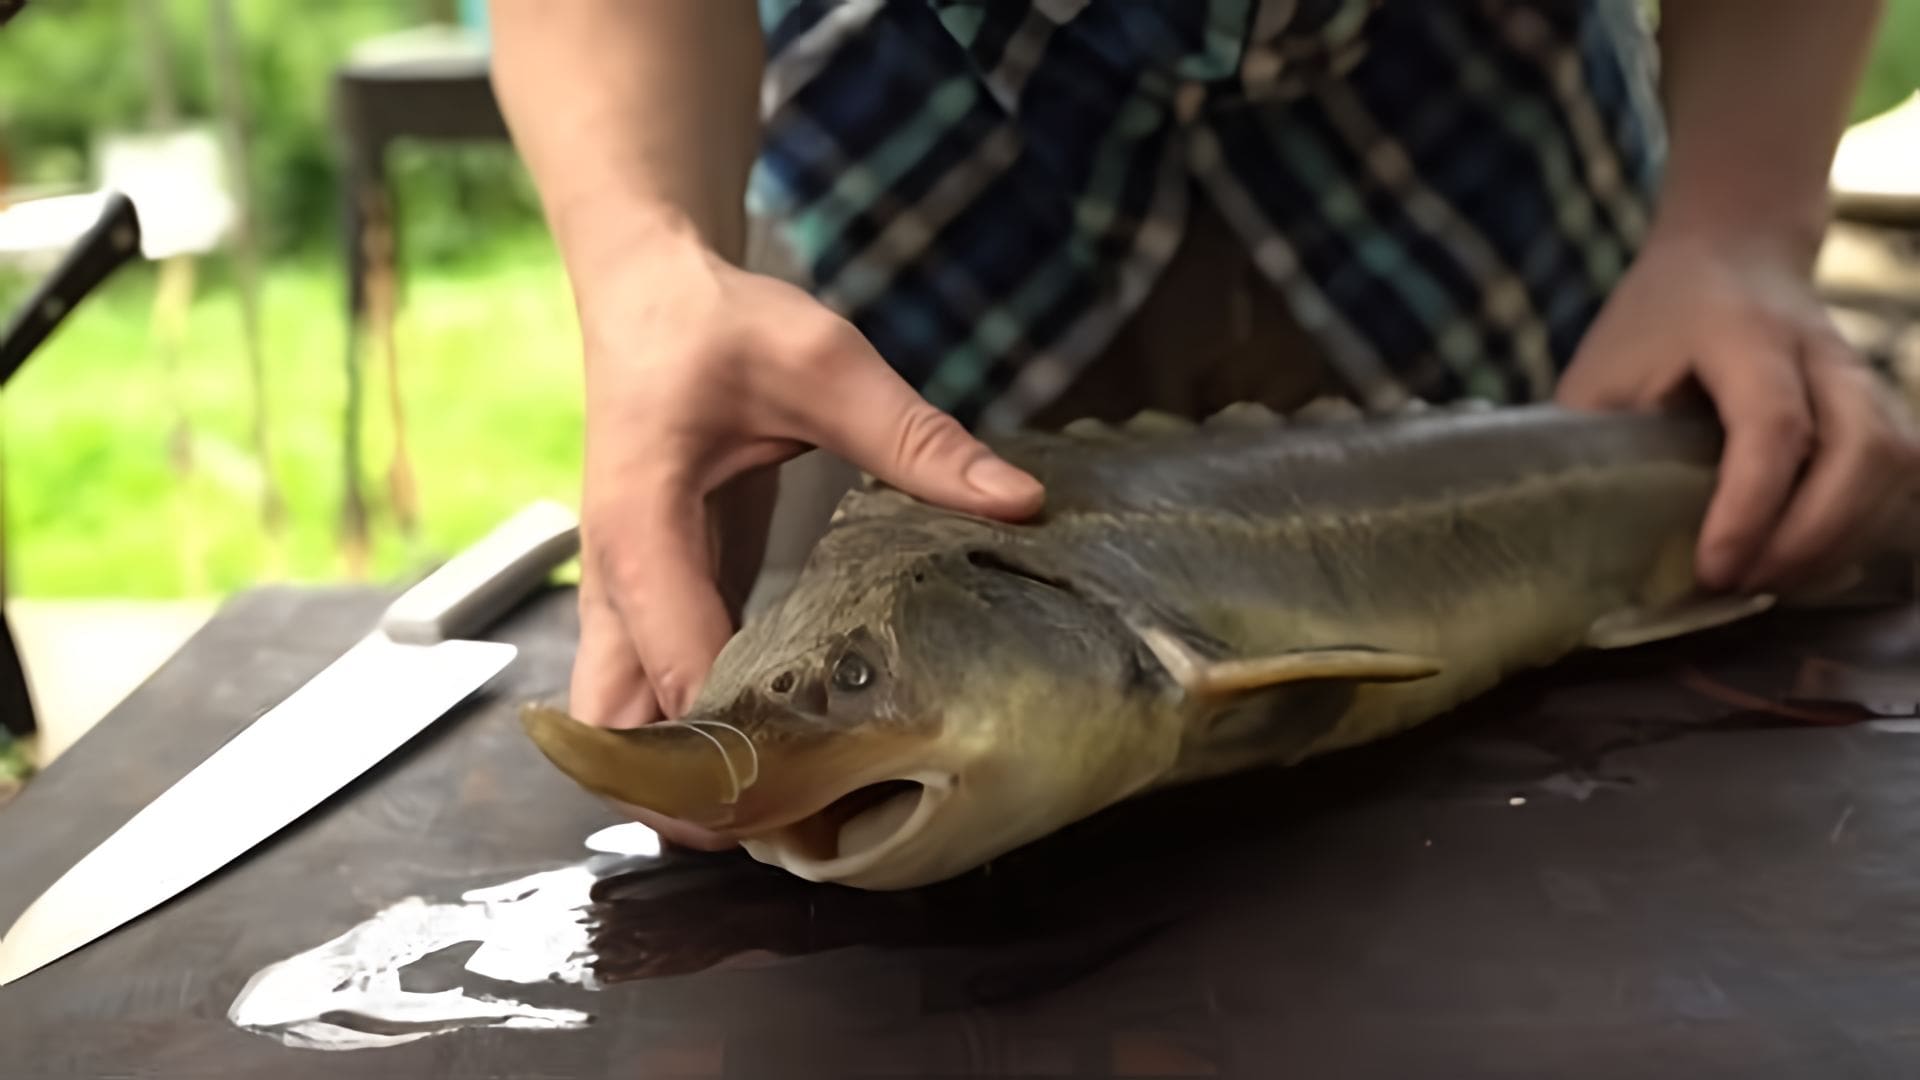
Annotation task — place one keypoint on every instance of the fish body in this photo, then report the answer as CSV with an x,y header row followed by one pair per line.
x,y
1195,600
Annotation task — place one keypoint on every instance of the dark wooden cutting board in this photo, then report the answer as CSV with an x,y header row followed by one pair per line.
x,y
1633,865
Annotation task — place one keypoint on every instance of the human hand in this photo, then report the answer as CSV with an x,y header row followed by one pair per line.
x,y
1819,455
700,377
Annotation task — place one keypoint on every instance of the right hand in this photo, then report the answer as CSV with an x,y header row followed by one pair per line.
x,y
700,378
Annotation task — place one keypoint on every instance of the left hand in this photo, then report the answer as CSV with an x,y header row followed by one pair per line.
x,y
1819,453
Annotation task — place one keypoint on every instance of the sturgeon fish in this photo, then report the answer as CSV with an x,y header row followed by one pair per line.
x,y
1196,599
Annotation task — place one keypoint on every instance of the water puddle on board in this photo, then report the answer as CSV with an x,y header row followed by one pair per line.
x,y
532,932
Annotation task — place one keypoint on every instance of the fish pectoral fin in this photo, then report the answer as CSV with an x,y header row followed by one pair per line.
x,y
1638,626
1353,663
1202,676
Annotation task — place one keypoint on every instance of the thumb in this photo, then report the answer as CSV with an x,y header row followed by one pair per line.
x,y
874,420
1604,373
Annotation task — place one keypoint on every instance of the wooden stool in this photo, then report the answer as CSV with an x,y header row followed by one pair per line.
x,y
425,84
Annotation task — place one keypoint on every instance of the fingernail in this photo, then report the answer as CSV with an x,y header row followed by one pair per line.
x,y
998,480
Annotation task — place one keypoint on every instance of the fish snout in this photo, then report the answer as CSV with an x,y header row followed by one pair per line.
x,y
690,770
818,799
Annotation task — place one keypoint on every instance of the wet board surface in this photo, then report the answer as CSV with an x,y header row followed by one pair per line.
x,y
1698,860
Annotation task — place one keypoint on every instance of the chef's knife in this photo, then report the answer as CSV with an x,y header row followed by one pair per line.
x,y
412,668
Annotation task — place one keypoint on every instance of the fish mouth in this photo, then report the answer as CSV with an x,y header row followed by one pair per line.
x,y
856,830
819,808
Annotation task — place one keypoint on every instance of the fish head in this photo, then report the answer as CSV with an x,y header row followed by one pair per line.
x,y
922,700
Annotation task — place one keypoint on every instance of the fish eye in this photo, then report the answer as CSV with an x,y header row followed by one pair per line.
x,y
782,682
852,672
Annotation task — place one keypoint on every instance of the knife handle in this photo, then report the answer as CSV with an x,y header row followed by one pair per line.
x,y
108,242
479,584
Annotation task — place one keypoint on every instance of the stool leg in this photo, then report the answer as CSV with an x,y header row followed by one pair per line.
x,y
172,298
354,542
382,305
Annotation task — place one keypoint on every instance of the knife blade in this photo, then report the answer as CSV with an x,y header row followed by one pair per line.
x,y
413,667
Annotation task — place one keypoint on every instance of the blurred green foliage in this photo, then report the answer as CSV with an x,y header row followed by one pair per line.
x,y
70,69
490,373
15,768
1893,71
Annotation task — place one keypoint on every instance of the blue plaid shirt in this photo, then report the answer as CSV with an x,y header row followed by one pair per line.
x,y
1444,191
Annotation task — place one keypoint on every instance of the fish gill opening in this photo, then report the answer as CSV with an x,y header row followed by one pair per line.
x,y
1000,564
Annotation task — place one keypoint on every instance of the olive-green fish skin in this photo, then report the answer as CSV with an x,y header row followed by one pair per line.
x,y
1194,599
1397,532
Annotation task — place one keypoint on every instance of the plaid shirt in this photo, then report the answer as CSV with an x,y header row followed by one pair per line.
x,y
1444,190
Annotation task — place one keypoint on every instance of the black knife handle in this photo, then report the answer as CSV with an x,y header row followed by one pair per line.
x,y
16,699
101,250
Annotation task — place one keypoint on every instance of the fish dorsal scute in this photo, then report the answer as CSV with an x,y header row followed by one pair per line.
x,y
1151,423
1321,411
1245,416
1328,410
871,497
1091,429
1145,424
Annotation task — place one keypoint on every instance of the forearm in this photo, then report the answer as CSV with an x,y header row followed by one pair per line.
x,y
632,117
1757,94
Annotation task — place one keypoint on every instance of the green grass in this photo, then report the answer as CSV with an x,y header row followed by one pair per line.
x,y
488,360
15,769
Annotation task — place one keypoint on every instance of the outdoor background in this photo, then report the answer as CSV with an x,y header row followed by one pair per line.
x,y
100,502
97,501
